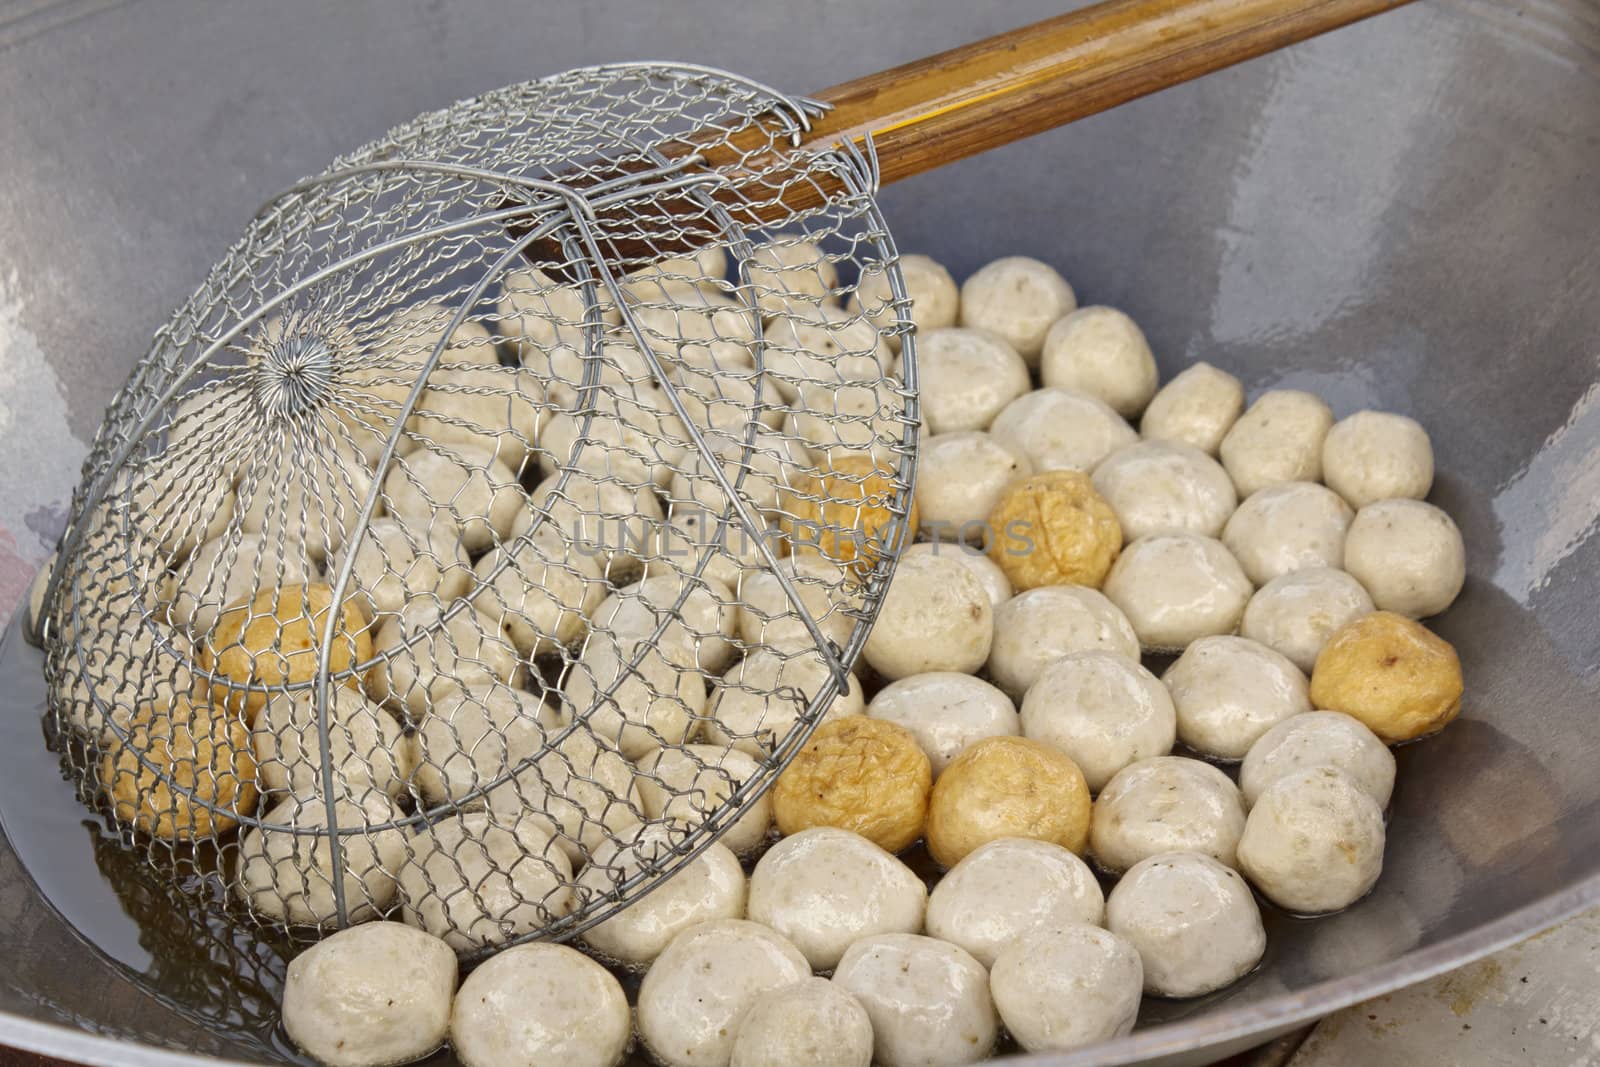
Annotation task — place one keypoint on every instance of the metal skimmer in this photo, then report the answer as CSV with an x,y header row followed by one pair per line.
x,y
483,537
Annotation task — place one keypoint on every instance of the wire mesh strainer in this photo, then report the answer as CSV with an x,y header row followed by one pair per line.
x,y
481,538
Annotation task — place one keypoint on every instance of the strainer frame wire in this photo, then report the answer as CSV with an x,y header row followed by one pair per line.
x,y
857,167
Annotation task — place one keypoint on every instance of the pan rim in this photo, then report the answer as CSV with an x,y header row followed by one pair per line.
x,y
1264,1019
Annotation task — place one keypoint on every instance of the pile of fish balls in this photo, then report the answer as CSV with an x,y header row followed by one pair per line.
x,y
1137,679
1137,682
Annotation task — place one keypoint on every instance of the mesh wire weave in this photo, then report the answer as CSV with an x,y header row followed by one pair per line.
x,y
435,563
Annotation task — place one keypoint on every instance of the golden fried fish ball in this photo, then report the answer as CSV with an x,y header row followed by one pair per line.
x,y
844,511
868,776
1007,787
201,756
1391,673
274,640
1054,528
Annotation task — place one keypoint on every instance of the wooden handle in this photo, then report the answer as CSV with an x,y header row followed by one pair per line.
x,y
983,95
1003,89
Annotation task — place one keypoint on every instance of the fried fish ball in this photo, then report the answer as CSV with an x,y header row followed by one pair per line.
x,y
967,378
628,433
710,886
286,863
766,617
1102,352
1037,627
825,889
1102,709
961,477
761,698
581,784
657,703
706,270
1017,298
687,784
1373,455
1011,889
688,1020
181,503
1286,528
293,499
935,300
946,711
1166,804
1062,429
693,328
540,312
1391,673
1318,739
690,534
601,517
848,420
761,473
118,565
471,738
725,399
366,745
495,411
561,370
1007,787
540,1003
202,425
813,1023
1313,842
542,590
1197,408
847,512
1165,487
822,347
987,571
1192,920
203,779
706,619
1279,439
275,641
1229,690
476,490
928,1000
432,649
1409,556
791,272
1296,613
480,878
935,617
864,775
1178,588
370,995
1069,985
396,561
122,663
1053,528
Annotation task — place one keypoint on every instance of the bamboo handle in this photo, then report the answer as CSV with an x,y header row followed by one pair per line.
x,y
983,95
1014,85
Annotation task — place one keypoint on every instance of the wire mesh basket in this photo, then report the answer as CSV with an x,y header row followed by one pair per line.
x,y
481,539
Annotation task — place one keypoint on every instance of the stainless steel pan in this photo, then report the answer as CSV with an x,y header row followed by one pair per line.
x,y
1403,215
